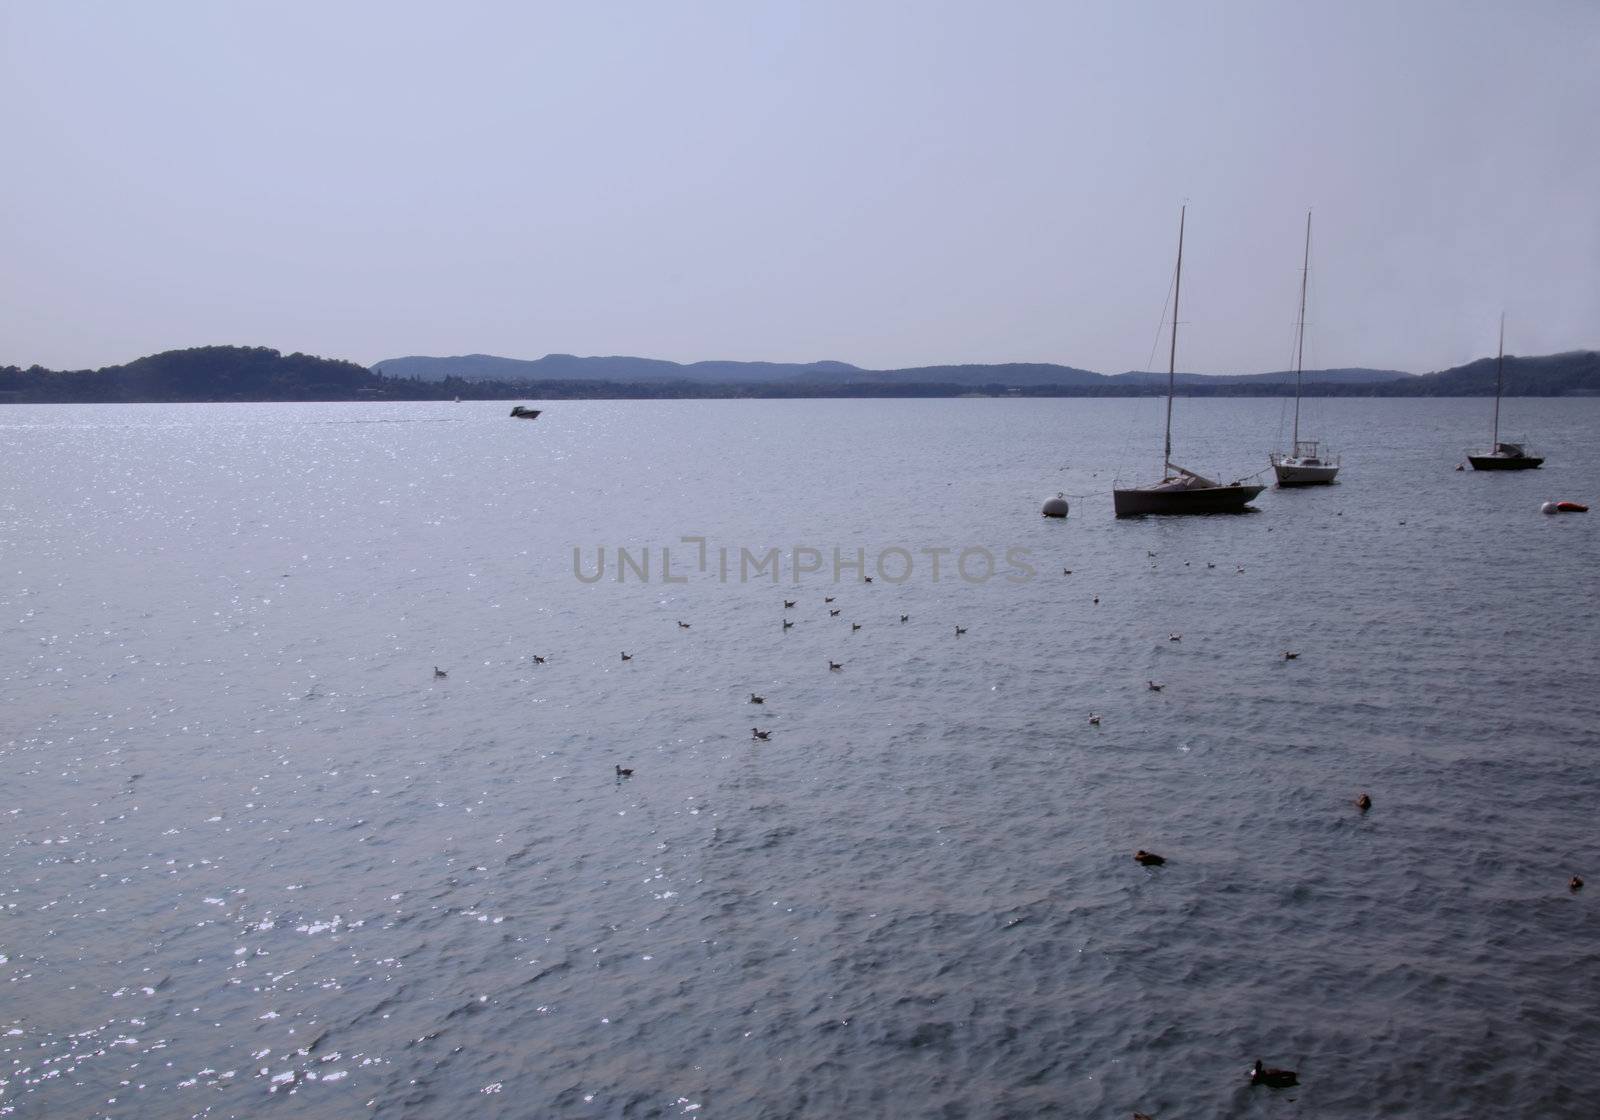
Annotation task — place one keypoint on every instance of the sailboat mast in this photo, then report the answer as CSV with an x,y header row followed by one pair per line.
x,y
1499,374
1172,354
1300,335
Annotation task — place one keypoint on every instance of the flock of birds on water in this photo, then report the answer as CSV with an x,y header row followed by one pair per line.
x,y
1271,1077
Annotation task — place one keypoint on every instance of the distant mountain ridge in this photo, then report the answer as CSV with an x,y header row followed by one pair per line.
x,y
1574,373
568,367
1012,375
1349,376
244,373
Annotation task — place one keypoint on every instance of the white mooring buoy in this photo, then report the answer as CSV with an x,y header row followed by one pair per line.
x,y
1056,506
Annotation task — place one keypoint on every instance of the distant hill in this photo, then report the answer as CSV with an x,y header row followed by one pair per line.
x,y
1009,374
204,373
566,367
1575,373
1282,377
243,373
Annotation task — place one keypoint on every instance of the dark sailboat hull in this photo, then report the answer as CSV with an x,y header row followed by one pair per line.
x,y
1503,456
1181,491
1207,499
1504,462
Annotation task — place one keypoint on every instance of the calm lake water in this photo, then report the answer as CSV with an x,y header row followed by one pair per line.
x,y
255,856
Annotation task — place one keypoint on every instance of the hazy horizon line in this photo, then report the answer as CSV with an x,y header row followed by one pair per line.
x,y
373,365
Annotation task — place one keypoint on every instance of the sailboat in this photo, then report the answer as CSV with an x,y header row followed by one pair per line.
x,y
1306,465
1180,489
1502,456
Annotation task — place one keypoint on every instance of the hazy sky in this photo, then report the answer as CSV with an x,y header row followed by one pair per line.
x,y
888,184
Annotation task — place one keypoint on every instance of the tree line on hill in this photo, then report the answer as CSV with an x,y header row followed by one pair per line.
x,y
254,373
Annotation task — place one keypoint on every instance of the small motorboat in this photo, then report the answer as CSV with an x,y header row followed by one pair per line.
x,y
523,412
1563,507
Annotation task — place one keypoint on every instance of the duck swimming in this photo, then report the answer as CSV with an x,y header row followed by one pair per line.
x,y
627,656
1575,884
960,630
1094,719
1149,859
1272,1078
439,674
624,772
754,699
835,666
1363,803
757,733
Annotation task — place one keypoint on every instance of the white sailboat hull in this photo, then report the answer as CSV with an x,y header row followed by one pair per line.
x,y
1298,472
1305,465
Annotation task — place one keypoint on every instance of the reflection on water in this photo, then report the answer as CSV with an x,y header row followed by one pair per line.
x,y
252,847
